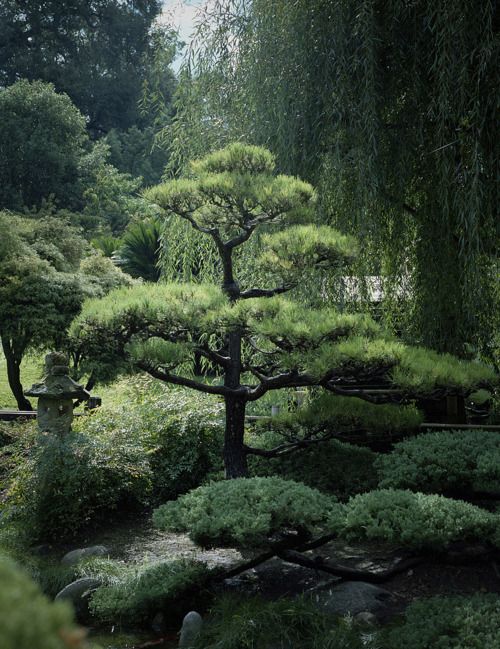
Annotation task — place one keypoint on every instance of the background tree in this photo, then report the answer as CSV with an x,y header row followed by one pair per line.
x,y
388,108
44,278
97,52
42,138
257,340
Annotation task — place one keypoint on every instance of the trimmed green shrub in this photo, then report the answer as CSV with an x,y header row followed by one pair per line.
x,y
245,512
254,623
444,461
28,619
333,467
414,520
135,594
459,622
68,482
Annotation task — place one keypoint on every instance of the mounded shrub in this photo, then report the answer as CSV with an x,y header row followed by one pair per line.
x,y
245,512
254,623
332,467
28,619
459,622
444,461
414,520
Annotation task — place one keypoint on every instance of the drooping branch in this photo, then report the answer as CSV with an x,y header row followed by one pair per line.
x,y
168,377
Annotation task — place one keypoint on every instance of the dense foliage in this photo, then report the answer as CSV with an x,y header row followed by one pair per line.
x,y
29,619
414,520
65,484
245,512
97,52
137,593
43,137
333,467
387,107
458,622
253,623
444,461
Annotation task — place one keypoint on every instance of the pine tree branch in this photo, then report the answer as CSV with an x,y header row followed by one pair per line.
x,y
168,377
344,572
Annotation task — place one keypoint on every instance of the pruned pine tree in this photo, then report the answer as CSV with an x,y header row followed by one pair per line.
x,y
256,339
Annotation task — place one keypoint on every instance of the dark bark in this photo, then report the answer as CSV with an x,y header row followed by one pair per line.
x,y
235,457
14,376
351,574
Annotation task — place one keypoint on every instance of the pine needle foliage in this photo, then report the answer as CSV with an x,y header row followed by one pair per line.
x,y
250,336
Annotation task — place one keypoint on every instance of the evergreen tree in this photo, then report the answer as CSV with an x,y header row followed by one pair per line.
x,y
254,338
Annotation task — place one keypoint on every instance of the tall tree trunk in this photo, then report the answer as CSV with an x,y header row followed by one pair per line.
x,y
14,376
235,458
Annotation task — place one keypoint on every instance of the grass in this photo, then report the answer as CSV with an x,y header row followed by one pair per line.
x,y
31,371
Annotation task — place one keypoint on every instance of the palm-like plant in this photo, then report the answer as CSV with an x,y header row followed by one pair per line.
x,y
138,253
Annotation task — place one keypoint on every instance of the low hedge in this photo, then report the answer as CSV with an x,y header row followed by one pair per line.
x,y
442,461
245,512
413,520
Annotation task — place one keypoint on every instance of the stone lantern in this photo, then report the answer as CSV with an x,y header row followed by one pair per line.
x,y
55,396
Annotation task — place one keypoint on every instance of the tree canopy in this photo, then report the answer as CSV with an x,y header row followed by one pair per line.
x,y
256,339
388,108
97,52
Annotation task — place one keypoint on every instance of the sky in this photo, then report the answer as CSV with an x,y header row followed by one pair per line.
x,y
181,14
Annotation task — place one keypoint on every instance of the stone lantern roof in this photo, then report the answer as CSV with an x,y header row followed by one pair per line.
x,y
57,383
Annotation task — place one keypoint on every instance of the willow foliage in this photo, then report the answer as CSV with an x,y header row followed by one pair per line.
x,y
389,108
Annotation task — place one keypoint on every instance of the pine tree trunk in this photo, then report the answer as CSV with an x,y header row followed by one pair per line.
x,y
235,458
14,376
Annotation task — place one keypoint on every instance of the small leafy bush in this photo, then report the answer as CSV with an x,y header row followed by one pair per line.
x,y
414,520
180,432
254,623
444,461
136,594
245,512
459,622
67,482
332,467
28,619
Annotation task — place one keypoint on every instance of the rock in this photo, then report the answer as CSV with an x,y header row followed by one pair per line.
x,y
191,628
78,594
365,617
158,624
75,556
352,598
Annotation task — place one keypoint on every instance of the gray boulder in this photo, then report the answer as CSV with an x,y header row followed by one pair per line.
x,y
352,598
75,556
191,628
78,593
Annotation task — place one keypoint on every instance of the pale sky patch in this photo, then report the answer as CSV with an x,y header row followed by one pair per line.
x,y
180,14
